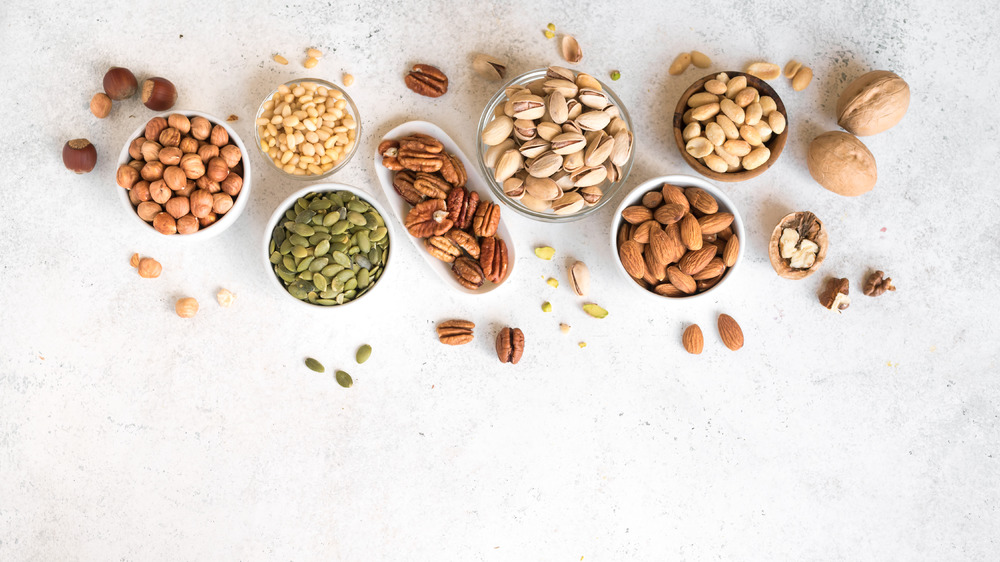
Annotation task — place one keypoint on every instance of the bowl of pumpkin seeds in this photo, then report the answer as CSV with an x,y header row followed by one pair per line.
x,y
327,244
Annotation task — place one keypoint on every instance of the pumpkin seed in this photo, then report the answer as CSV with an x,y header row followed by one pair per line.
x,y
321,248
340,227
356,218
315,365
364,352
275,257
286,246
378,234
341,258
319,281
305,216
320,204
331,270
363,278
357,206
344,380
318,264
288,262
303,230
362,261
299,251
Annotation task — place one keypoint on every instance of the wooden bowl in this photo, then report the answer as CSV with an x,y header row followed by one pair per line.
x,y
779,263
775,145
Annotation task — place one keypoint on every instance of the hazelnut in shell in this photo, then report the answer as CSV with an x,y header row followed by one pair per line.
x,y
120,83
840,162
873,102
808,227
158,94
79,156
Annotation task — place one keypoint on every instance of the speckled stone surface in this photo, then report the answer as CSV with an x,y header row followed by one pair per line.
x,y
127,433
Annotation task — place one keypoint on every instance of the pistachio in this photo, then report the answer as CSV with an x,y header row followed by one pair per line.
x,y
593,120
579,278
570,49
592,194
547,130
528,107
544,165
567,88
535,147
599,150
494,153
568,143
545,252
559,72
584,80
534,203
489,67
595,99
586,176
572,163
497,131
509,164
594,310
582,344
615,75
568,204
542,188
553,282
546,307
524,129
513,187
558,110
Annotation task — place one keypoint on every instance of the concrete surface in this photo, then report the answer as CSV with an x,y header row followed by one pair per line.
x,y
127,433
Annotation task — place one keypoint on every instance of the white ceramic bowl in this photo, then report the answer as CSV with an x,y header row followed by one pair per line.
x,y
279,214
635,198
239,202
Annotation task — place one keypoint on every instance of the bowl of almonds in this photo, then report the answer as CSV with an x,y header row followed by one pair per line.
x,y
730,126
677,237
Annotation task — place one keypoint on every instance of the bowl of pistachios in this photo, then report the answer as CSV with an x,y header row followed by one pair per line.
x,y
555,144
327,245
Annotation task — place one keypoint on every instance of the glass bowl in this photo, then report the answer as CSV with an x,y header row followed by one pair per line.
x,y
261,124
495,106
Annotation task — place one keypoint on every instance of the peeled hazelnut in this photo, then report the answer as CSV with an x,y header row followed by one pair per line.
x,y
186,307
179,122
127,176
174,177
834,296
177,207
152,171
207,152
217,169
208,219
141,191
187,224
135,149
201,128
159,192
80,156
201,203
231,154
207,184
100,105
232,184
840,162
120,83
165,224
187,190
134,260
220,137
221,203
192,165
158,94
133,198
170,137
873,102
150,151
149,268
137,164
147,210
170,156
154,127
189,145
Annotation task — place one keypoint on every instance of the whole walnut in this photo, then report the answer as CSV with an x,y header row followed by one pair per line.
x,y
873,102
840,162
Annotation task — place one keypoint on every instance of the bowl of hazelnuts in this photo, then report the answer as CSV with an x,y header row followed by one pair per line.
x,y
184,173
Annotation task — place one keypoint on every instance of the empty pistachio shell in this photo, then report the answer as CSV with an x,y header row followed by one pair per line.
x,y
489,67
571,49
545,252
594,310
579,278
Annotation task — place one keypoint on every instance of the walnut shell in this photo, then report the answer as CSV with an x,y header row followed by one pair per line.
x,y
816,232
841,163
873,102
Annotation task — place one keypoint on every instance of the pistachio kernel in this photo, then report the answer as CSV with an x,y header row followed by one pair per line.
x,y
553,282
583,344
615,75
594,310
549,34
551,27
546,306
545,252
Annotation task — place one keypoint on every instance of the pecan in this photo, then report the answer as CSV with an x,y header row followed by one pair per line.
x,y
389,150
493,259
402,182
431,186
443,248
465,241
468,212
418,160
455,332
428,218
453,171
486,220
455,202
510,345
875,285
420,142
427,80
468,273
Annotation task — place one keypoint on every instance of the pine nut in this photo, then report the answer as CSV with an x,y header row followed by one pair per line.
x,y
348,79
310,62
280,59
314,53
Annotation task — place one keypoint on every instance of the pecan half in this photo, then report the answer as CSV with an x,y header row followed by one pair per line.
x,y
427,80
493,259
486,220
402,182
465,241
510,345
428,218
431,186
875,285
455,332
419,161
468,212
389,150
443,248
453,171
455,202
421,143
468,273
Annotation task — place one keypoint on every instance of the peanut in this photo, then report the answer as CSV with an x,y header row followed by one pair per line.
x,y
680,64
700,59
763,70
756,158
802,79
791,68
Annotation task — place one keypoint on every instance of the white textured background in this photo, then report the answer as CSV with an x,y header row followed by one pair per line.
x,y
127,433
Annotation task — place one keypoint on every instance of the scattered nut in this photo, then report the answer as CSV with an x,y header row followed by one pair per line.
x,y
455,332
232,117
310,62
149,268
510,345
314,53
791,68
730,332
546,306
693,340
553,282
570,49
700,59
595,310
134,260
100,105
280,59
798,245
579,278
489,67
564,328
680,64
840,162
763,70
315,365
158,94
186,307
545,252
347,79
875,285
835,295
344,379
120,83
80,156
225,298
615,75
582,344
427,80
363,354
802,79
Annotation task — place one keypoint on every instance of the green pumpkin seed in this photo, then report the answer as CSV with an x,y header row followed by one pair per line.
x,y
331,270
344,275
305,275
315,365
304,264
297,240
271,246
318,264
356,218
319,204
325,302
340,227
299,251
363,278
378,234
363,242
319,281
298,289
341,258
320,229
288,262
330,218
356,206
286,246
321,248
305,216
364,352
275,257
303,230
290,214
351,284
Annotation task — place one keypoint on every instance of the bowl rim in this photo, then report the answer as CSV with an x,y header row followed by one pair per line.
x,y
239,202
681,180
777,144
487,115
354,113
279,212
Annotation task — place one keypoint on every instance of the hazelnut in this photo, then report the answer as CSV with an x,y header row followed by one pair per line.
x,y
137,164
134,260
170,137
187,190
100,105
220,137
221,203
232,184
135,149
225,298
201,128
179,122
187,224
152,171
147,210
164,223
159,192
120,83
158,94
208,219
207,152
186,307
201,203
150,151
205,183
192,165
141,190
175,179
149,268
170,156
217,169
834,296
127,176
177,207
133,198
154,127
80,156
189,145
231,154
840,162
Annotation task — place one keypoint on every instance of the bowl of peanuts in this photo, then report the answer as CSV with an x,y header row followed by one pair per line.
x,y
307,128
730,126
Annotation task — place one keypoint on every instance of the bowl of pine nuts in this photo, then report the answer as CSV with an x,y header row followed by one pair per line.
x,y
307,128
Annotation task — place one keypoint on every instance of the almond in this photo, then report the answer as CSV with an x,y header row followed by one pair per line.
x,y
637,214
707,284
641,232
660,246
681,280
711,224
714,269
668,290
674,194
691,232
731,251
730,332
701,200
677,249
693,340
655,270
630,252
695,261
669,213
